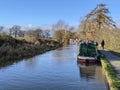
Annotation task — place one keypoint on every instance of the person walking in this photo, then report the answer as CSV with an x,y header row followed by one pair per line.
x,y
102,44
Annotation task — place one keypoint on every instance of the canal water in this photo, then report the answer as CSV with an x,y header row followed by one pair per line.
x,y
53,70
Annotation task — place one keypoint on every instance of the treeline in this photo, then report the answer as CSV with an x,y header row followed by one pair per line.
x,y
16,31
61,32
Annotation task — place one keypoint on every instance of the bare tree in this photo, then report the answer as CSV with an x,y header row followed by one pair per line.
x,y
21,33
59,25
62,32
14,30
10,31
47,33
1,29
29,33
38,33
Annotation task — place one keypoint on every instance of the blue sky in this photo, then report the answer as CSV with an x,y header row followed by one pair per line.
x,y
40,12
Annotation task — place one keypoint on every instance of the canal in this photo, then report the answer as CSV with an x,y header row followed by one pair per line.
x,y
53,70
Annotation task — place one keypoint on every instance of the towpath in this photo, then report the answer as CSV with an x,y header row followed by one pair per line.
x,y
113,60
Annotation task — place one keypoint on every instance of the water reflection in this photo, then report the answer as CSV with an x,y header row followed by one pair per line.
x,y
6,63
31,62
90,71
87,70
66,53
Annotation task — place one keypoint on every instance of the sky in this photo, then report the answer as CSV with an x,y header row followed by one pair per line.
x,y
48,12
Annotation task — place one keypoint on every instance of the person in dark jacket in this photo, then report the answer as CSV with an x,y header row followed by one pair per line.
x,y
102,44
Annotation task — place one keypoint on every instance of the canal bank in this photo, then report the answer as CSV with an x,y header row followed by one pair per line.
x,y
12,50
9,59
111,68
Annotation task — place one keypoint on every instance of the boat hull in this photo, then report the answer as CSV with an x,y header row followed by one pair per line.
x,y
86,59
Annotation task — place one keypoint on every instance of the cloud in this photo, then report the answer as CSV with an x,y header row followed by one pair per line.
x,y
33,27
46,27
29,27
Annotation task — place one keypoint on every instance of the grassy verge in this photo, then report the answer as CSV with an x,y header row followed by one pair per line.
x,y
112,79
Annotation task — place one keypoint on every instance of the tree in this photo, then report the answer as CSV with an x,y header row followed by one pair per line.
x,y
59,35
47,33
97,19
59,31
14,30
68,35
38,33
10,31
1,29
21,33
29,33
62,32
60,25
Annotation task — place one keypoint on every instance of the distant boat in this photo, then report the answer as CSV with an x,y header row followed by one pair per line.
x,y
87,52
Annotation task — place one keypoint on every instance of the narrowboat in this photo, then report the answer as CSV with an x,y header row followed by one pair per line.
x,y
87,52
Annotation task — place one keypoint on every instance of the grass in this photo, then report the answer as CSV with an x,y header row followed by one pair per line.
x,y
113,81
